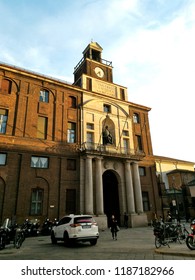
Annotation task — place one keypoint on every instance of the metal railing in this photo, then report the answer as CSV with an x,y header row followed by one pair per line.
x,y
101,60
111,150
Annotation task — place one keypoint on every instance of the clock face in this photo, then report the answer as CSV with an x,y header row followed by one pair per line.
x,y
99,72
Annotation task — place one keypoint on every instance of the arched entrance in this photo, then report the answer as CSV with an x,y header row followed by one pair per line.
x,y
111,195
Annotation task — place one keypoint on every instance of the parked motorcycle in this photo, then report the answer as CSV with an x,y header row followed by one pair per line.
x,y
46,227
7,233
190,240
31,227
2,238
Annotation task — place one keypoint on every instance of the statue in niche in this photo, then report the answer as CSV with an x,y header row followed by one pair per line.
x,y
107,136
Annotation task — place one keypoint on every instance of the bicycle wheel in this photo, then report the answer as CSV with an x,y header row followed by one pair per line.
x,y
182,234
181,237
157,242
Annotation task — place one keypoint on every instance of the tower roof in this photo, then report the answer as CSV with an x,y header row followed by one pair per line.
x,y
94,46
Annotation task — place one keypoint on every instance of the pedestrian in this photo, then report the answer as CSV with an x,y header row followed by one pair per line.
x,y
169,217
113,227
126,220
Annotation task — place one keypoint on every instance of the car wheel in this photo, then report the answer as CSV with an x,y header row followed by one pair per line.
x,y
93,242
66,239
53,239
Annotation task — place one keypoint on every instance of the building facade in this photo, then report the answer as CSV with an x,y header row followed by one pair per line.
x,y
80,148
39,136
175,179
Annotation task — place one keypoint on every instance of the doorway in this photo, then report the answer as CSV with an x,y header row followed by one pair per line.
x,y
111,196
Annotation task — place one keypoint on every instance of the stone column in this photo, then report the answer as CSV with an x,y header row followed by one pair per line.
x,y
82,185
99,187
88,186
129,188
137,188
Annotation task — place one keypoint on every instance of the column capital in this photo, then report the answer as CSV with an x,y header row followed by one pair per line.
x,y
134,163
98,158
88,157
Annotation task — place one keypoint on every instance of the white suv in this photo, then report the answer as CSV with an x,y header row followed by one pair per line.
x,y
74,228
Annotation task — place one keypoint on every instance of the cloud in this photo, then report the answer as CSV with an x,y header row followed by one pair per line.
x,y
151,44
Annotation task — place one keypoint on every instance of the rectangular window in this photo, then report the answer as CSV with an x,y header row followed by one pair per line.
x,y
89,84
145,199
44,96
125,133
3,120
139,143
126,145
90,137
36,202
107,108
39,162
70,201
71,137
122,94
136,118
42,128
142,171
90,126
71,164
3,158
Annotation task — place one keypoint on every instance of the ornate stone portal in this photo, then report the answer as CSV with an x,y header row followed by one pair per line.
x,y
129,189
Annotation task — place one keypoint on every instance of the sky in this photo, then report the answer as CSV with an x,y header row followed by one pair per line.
x,y
151,44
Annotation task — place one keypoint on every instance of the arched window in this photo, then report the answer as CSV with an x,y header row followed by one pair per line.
x,y
44,96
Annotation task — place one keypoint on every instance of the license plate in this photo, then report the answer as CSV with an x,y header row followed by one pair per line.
x,y
86,226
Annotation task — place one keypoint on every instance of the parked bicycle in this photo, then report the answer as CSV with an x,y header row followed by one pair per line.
x,y
183,232
165,233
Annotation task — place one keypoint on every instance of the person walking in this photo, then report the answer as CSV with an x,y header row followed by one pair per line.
x,y
113,227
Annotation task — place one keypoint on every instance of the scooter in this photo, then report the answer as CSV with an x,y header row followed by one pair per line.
x,y
190,240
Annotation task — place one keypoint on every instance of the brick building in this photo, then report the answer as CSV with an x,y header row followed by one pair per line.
x,y
80,148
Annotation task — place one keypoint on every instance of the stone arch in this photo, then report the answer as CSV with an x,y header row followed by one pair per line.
x,y
111,194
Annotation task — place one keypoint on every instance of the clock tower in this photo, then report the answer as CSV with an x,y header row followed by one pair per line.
x,y
92,65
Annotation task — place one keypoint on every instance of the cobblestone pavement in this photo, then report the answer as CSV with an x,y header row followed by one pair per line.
x,y
132,244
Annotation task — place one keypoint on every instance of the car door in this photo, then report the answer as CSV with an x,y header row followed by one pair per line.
x,y
62,226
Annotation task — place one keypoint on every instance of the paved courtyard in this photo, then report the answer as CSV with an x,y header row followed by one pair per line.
x,y
132,244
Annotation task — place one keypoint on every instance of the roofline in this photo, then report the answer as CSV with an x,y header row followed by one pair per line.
x,y
25,71
172,159
179,171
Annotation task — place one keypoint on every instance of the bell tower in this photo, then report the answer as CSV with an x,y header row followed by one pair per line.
x,y
92,65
